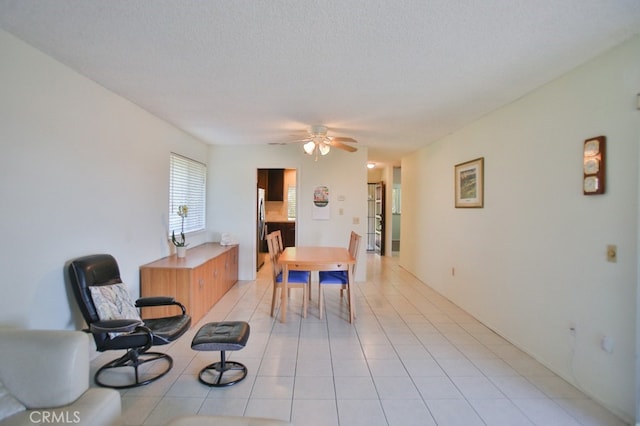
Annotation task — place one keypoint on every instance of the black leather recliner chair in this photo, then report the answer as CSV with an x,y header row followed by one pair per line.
x,y
133,335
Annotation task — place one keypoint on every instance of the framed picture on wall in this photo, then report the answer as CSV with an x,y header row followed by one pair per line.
x,y
469,184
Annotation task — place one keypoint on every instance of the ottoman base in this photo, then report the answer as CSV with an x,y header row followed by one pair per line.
x,y
213,374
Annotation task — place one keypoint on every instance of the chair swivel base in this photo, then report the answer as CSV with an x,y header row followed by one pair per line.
x,y
133,362
214,374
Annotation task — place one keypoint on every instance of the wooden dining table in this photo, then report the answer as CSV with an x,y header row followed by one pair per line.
x,y
315,259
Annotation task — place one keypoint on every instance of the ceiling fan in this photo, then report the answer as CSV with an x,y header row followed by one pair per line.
x,y
319,143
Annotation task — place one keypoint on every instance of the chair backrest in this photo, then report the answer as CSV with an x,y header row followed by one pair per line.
x,y
353,241
274,252
88,271
278,234
354,246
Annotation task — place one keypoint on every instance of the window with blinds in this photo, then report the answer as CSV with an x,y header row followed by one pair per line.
x,y
291,202
187,187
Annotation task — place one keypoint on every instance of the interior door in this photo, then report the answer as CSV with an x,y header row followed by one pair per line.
x,y
380,218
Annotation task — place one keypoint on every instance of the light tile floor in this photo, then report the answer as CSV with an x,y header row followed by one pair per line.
x,y
411,358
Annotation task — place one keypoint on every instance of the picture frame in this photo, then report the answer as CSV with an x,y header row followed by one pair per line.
x,y
469,184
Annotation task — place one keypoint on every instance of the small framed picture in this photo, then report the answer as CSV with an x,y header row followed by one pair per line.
x,y
469,184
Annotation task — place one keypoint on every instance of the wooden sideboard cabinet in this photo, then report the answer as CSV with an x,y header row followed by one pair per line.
x,y
197,281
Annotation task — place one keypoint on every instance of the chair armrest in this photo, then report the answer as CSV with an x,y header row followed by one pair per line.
x,y
159,301
115,326
155,301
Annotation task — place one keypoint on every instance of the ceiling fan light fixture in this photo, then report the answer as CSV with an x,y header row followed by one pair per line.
x,y
309,147
318,130
324,148
318,143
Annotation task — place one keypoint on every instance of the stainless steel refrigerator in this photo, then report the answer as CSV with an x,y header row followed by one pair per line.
x,y
261,233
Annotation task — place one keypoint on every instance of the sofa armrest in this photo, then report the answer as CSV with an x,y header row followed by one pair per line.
x,y
44,368
96,407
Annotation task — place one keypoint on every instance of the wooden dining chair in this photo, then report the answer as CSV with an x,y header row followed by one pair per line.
x,y
354,245
278,234
338,276
296,279
280,249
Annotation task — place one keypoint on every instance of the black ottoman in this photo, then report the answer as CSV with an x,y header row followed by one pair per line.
x,y
222,336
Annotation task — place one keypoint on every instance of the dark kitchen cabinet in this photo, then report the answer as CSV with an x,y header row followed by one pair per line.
x,y
275,185
263,178
288,230
272,181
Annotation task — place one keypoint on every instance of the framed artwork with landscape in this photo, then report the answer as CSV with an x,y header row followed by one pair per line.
x,y
469,184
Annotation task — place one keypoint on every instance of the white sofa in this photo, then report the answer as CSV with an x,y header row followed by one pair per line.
x,y
47,371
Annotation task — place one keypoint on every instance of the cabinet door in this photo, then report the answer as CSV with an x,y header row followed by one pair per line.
x,y
275,185
289,234
157,282
263,178
217,266
232,267
200,291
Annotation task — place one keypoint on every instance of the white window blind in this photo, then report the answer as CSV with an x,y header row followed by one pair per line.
x,y
291,202
187,186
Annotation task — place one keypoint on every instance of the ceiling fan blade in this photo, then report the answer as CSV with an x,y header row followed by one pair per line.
x,y
298,140
340,145
290,141
343,139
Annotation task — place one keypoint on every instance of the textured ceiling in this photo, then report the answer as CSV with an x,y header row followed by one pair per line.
x,y
393,74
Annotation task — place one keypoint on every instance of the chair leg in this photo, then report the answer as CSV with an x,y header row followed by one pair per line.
x,y
352,308
320,300
305,298
273,300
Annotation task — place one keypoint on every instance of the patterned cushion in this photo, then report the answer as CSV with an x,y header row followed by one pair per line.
x,y
113,302
9,405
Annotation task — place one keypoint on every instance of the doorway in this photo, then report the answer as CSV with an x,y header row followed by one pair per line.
x,y
396,210
376,217
278,187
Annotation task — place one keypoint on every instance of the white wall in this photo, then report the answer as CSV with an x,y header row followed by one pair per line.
x,y
532,261
232,196
82,171
85,171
